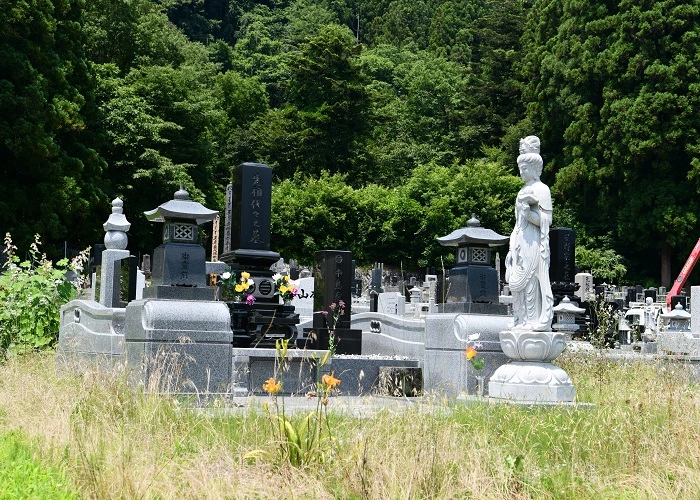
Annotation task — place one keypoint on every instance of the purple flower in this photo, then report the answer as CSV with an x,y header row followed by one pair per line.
x,y
325,313
332,306
341,304
478,345
250,300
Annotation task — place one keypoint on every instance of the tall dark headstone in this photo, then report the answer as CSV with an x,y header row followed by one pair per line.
x,y
333,279
562,264
562,245
250,219
266,321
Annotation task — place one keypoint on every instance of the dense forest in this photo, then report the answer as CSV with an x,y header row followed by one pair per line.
x,y
387,122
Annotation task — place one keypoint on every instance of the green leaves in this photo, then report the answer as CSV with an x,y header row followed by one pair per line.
x,y
31,293
381,224
615,89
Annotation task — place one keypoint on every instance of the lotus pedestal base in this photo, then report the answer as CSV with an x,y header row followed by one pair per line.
x,y
527,381
530,377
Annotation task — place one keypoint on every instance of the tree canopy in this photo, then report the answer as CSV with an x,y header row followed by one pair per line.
x,y
387,122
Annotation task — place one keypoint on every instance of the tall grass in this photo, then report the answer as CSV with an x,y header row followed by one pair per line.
x,y
640,440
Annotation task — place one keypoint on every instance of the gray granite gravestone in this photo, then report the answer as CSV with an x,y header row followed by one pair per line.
x,y
115,240
177,338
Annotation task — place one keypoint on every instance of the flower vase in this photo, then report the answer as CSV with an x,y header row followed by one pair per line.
x,y
479,386
287,302
236,299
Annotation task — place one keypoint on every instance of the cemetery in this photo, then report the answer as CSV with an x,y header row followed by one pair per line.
x,y
246,336
190,331
315,249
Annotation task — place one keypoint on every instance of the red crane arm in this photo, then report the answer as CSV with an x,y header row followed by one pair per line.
x,y
683,275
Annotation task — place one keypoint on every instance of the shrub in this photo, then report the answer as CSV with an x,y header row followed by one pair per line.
x,y
31,294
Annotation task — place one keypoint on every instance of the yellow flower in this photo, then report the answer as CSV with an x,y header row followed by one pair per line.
x,y
470,353
239,287
245,275
272,386
283,289
286,279
330,380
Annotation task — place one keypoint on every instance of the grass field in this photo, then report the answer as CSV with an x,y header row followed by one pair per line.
x,y
95,437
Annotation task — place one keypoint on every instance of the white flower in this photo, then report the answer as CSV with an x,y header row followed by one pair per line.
x,y
276,276
226,275
474,336
250,282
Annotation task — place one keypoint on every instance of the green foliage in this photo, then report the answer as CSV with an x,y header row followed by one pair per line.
x,y
603,263
31,294
614,90
604,320
371,220
50,167
23,476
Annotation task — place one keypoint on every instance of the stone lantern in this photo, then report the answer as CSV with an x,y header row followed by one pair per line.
x,y
677,320
115,251
566,313
178,337
180,261
677,338
473,280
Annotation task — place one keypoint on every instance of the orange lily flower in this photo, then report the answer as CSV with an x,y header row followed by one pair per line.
x,y
330,380
272,386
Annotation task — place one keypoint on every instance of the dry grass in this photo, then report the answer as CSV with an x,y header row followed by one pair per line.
x,y
640,441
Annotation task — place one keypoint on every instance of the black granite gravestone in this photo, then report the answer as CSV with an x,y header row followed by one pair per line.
x,y
333,279
250,220
562,244
265,321
562,264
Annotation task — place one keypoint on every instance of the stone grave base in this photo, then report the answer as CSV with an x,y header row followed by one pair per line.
x,y
359,375
526,381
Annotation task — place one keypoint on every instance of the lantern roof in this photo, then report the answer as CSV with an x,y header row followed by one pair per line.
x,y
677,313
181,207
473,234
566,306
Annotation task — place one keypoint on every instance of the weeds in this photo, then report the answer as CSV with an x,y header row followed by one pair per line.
x,y
31,294
640,440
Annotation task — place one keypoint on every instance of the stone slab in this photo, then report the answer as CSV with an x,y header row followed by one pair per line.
x,y
253,367
531,382
90,334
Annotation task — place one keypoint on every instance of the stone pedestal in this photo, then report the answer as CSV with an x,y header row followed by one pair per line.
x,y
530,377
110,275
178,345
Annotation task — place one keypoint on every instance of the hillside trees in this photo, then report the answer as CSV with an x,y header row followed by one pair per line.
x,y
50,168
160,119
615,89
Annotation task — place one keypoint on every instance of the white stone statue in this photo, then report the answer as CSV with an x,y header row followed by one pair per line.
x,y
527,262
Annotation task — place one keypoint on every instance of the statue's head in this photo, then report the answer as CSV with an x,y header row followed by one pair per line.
x,y
531,144
532,159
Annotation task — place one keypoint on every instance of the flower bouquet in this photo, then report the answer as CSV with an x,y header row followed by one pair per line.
x,y
285,288
236,289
